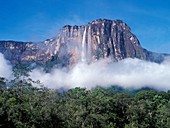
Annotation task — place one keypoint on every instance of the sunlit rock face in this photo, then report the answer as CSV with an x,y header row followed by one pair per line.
x,y
103,39
100,39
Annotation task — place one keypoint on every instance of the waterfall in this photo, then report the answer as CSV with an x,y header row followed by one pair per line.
x,y
89,47
83,52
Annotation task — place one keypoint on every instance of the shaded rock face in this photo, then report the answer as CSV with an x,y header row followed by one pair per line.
x,y
102,38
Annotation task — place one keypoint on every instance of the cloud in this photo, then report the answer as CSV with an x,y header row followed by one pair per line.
x,y
128,73
5,67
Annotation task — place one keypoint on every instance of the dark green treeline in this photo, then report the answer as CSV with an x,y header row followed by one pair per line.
x,y
25,106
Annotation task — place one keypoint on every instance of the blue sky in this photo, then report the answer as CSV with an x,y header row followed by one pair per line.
x,y
37,20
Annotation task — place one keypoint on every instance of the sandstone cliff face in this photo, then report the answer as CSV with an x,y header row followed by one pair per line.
x,y
101,38
25,53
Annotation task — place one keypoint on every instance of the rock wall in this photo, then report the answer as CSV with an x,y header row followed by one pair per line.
x,y
102,38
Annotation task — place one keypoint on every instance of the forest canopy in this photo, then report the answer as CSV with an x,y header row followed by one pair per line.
x,y
23,105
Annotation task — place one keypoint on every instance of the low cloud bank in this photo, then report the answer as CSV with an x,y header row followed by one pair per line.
x,y
128,73
5,67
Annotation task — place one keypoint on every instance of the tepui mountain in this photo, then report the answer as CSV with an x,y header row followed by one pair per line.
x,y
100,39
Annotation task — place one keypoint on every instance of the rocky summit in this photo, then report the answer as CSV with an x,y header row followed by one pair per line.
x,y
102,38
